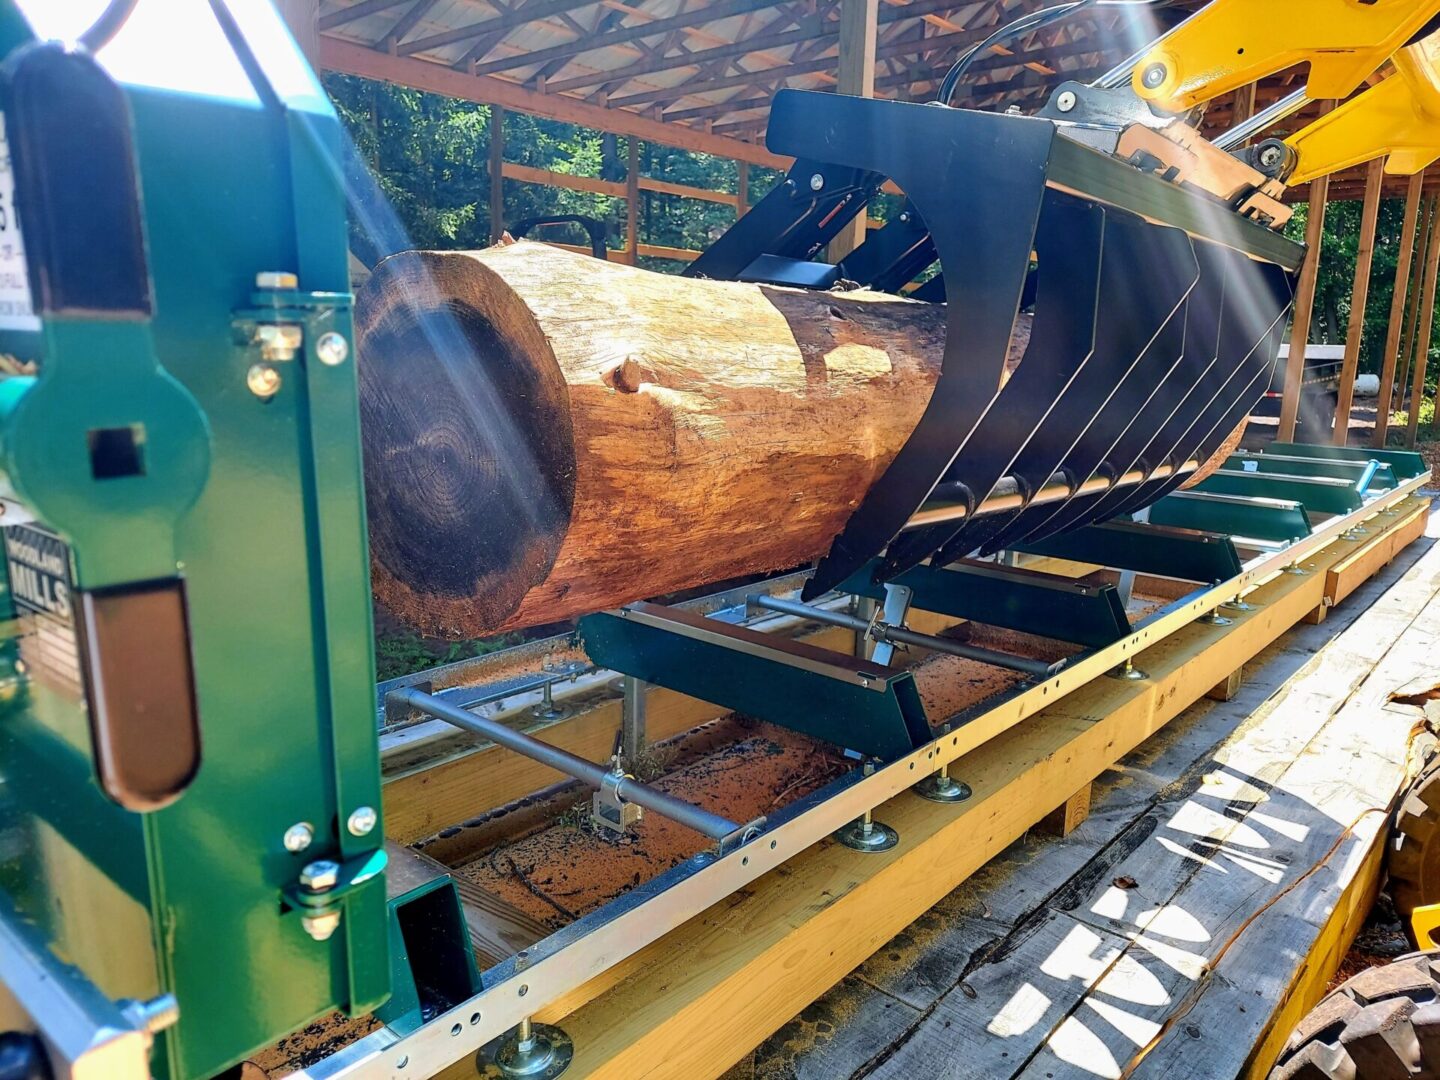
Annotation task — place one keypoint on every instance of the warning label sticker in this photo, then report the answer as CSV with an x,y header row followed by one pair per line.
x,y
39,569
17,311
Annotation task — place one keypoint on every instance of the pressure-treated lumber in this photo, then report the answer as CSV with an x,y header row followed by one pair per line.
x,y
1359,298
1304,309
1393,339
1425,334
689,1005
548,435
497,930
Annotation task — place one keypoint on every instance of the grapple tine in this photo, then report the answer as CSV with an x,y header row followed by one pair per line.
x,y
992,218
1130,404
1069,243
1182,396
1153,269
1249,349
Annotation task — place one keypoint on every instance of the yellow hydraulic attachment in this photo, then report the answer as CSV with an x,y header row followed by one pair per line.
x,y
1232,43
1400,118
1424,921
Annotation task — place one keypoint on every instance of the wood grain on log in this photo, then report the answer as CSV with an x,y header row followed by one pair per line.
x,y
548,435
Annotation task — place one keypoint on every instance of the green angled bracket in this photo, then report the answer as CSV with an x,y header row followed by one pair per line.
x,y
1269,520
1017,599
841,699
432,961
1146,548
1406,464
1317,494
1381,477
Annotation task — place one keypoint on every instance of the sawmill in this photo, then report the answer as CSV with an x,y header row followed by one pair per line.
x,y
910,649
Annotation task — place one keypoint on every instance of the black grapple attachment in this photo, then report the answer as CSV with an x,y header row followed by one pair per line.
x,y
1155,315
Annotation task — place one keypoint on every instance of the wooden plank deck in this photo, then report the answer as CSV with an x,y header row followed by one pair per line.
x,y
1198,912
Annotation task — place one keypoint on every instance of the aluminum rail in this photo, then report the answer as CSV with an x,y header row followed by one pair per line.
x,y
1007,495
597,942
667,806
898,634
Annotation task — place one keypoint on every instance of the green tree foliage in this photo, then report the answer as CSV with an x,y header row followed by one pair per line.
x,y
1335,284
430,156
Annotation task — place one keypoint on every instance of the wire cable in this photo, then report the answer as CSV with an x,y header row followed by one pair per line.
x,y
107,25
1023,25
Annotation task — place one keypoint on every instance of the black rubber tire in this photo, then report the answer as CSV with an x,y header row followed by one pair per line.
x,y
1414,862
1382,1024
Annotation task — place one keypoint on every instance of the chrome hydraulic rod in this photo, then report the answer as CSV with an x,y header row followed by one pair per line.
x,y
899,635
1262,120
1007,496
597,776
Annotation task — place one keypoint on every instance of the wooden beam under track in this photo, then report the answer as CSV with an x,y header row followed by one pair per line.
x,y
693,1003
351,59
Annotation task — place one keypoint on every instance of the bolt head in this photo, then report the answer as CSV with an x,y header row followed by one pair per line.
x,y
299,836
276,279
1155,76
1270,156
321,927
361,820
322,875
332,348
279,341
1067,101
263,380
817,182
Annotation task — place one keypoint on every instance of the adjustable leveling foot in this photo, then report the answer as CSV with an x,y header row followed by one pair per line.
x,y
530,1052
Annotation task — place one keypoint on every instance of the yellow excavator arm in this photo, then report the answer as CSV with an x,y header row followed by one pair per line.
x,y
1232,43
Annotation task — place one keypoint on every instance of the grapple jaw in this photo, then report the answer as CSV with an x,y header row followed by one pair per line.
x,y
1157,316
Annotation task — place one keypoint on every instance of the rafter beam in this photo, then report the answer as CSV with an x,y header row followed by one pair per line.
x,y
357,11
810,28
336,55
505,23
722,10
405,24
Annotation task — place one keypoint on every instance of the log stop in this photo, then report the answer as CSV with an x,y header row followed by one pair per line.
x,y
547,434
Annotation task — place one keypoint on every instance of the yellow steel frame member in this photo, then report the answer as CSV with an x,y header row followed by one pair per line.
x,y
1232,43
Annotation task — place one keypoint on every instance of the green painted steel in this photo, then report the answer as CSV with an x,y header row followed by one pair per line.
x,y
1146,548
433,966
1318,494
1383,477
885,720
1272,520
258,505
1407,464
1024,600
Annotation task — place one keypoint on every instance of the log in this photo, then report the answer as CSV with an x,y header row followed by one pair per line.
x,y
547,434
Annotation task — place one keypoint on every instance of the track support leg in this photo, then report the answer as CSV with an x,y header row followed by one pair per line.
x,y
1226,690
1070,815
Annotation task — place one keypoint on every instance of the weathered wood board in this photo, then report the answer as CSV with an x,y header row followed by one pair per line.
x,y
687,1006
1200,910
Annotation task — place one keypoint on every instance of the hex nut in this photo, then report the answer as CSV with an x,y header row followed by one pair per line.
x,y
322,875
277,280
321,927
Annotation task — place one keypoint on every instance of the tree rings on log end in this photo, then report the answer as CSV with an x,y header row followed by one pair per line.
x,y
468,444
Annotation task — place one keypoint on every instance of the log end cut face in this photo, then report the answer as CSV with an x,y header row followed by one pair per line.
x,y
469,453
